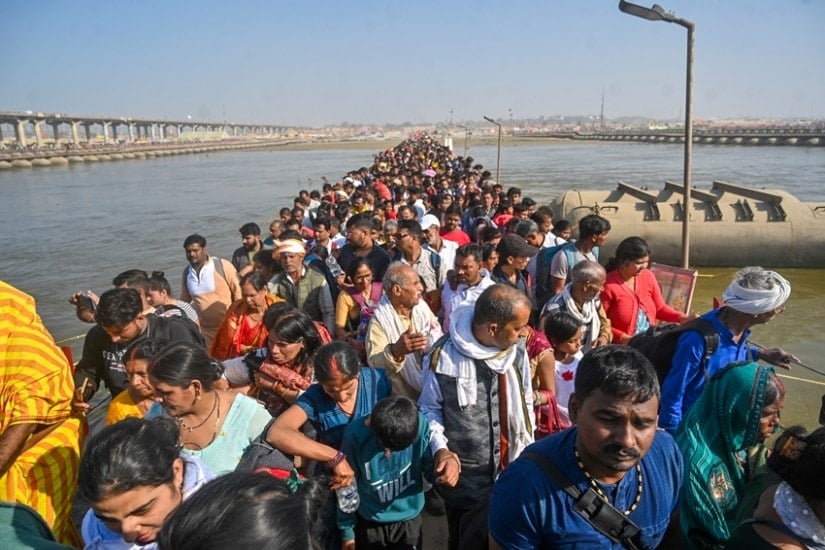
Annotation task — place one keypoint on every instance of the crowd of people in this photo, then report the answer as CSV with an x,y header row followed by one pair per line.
x,y
413,337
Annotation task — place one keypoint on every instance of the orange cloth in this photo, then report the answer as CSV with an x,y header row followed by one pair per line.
x,y
36,387
235,337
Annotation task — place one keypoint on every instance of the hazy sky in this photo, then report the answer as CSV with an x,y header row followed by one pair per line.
x,y
322,62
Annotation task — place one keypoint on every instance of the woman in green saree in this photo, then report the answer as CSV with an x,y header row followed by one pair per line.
x,y
721,439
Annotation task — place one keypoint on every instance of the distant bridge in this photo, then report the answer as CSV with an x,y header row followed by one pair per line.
x,y
118,129
737,136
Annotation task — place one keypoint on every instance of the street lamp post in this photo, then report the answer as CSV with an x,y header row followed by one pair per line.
x,y
657,13
498,154
466,138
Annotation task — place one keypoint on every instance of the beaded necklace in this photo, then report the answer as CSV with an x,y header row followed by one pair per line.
x,y
194,446
202,422
599,489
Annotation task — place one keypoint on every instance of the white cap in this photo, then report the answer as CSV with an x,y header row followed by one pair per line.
x,y
428,220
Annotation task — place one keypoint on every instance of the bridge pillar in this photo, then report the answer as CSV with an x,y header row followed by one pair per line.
x,y
180,128
132,127
56,132
87,126
105,126
75,136
20,133
38,134
114,132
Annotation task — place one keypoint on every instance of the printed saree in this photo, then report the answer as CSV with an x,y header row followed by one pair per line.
x,y
716,438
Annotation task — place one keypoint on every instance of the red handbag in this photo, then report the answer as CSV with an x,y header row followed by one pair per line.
x,y
548,419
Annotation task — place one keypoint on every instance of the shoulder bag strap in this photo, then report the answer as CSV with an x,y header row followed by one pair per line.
x,y
375,296
357,297
594,509
219,267
553,473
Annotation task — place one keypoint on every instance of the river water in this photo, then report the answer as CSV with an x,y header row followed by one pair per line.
x,y
72,228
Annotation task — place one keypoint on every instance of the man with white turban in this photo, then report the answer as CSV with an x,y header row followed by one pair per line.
x,y
755,296
302,286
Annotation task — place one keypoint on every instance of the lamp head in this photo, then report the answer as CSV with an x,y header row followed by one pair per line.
x,y
651,14
654,13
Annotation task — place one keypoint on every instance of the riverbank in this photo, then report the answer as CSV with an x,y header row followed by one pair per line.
x,y
38,158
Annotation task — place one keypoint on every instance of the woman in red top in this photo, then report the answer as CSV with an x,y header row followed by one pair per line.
x,y
631,297
242,329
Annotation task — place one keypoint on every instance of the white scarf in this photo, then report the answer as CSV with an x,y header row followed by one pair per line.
x,y
588,314
755,301
457,359
797,514
423,321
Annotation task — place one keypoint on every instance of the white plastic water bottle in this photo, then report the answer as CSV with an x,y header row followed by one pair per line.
x,y
334,267
348,499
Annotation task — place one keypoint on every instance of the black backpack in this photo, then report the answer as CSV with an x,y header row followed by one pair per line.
x,y
161,328
543,260
659,343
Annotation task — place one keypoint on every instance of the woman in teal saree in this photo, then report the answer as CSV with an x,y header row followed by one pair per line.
x,y
721,439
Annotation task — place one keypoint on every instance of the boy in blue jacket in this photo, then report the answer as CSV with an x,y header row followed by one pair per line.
x,y
388,450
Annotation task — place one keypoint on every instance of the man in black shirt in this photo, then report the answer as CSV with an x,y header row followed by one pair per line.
x,y
121,321
251,245
360,244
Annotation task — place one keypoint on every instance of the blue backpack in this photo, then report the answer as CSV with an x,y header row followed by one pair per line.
x,y
544,283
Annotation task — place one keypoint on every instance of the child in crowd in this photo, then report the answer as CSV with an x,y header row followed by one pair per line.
x,y
565,334
490,256
388,450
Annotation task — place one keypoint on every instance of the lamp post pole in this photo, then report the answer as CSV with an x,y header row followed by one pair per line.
x,y
657,13
466,138
498,154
